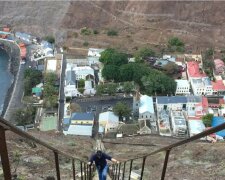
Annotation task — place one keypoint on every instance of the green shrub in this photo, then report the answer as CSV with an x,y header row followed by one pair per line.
x,y
85,31
50,39
85,43
112,32
75,34
95,31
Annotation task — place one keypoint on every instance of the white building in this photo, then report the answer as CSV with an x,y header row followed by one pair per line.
x,y
95,52
196,106
169,58
84,72
171,103
202,86
108,121
92,60
74,74
183,86
147,118
178,121
195,127
200,83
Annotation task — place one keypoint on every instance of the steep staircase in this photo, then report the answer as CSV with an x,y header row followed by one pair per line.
x,y
122,171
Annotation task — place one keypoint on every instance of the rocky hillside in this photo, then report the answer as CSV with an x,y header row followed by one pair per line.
x,y
139,23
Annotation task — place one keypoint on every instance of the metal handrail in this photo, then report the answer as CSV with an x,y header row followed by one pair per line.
x,y
185,141
5,125
8,126
166,149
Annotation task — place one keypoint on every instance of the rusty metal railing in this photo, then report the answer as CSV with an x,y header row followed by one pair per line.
x,y
86,171
115,170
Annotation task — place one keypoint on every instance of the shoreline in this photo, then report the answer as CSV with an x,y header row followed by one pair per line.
x,y
13,69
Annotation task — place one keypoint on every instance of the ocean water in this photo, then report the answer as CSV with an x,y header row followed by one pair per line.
x,y
6,78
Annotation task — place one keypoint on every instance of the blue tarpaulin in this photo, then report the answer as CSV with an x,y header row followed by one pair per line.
x,y
217,121
5,33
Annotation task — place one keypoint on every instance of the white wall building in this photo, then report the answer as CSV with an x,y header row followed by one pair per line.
x,y
171,103
95,52
108,120
178,121
147,113
200,83
84,72
202,86
183,86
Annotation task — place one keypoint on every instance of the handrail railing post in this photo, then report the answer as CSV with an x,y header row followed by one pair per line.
x,y
90,173
143,167
119,171
81,170
124,168
165,164
131,163
85,172
4,154
57,165
116,171
74,172
113,168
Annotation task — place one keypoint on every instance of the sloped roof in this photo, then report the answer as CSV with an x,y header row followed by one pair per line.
x,y
128,128
70,77
218,85
193,69
171,99
82,116
196,126
182,83
194,99
218,63
81,130
146,104
216,121
109,116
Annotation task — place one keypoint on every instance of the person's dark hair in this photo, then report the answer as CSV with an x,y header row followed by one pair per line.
x,y
99,153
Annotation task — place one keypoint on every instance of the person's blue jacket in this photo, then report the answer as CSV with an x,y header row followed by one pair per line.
x,y
100,162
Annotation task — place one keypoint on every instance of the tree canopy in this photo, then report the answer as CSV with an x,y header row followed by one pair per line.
x,y
50,90
110,72
207,119
208,63
24,116
143,53
113,57
128,87
171,68
122,110
175,44
158,83
32,77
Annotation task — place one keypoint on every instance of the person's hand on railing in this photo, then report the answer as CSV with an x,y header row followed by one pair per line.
x,y
89,163
115,161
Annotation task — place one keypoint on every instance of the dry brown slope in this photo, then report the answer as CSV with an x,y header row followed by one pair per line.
x,y
196,22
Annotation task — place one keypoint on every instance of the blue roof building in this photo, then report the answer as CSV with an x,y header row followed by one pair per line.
x,y
216,121
80,124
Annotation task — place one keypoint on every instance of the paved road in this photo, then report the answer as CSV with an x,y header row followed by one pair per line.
x,y
17,93
61,94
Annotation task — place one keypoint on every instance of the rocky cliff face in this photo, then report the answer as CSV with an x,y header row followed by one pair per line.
x,y
193,21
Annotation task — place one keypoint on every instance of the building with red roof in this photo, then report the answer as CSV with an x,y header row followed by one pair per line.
x,y
218,87
193,70
219,66
200,83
